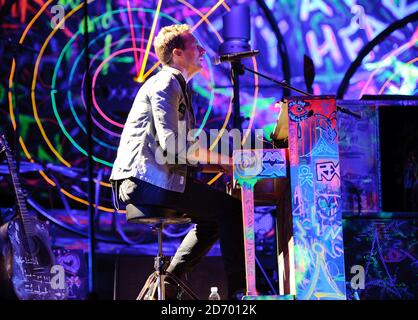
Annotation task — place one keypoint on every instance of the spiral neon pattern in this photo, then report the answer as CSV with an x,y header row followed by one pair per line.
x,y
54,91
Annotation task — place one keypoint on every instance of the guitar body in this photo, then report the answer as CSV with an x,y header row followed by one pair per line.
x,y
27,264
29,268
6,286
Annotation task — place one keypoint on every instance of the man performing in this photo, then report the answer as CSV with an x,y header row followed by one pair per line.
x,y
161,110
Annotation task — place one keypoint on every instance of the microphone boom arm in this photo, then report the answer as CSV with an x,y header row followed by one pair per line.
x,y
285,85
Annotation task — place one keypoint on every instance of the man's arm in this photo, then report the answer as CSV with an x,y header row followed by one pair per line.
x,y
209,160
164,103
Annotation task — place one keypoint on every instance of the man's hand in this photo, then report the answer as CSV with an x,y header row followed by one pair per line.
x,y
216,168
228,169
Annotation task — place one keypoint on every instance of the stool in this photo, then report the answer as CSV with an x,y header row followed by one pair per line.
x,y
147,215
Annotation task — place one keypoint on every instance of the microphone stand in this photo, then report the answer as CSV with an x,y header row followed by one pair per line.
x,y
238,69
91,194
282,83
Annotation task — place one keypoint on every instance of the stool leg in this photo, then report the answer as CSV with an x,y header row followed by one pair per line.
x,y
160,264
161,286
149,284
182,285
156,280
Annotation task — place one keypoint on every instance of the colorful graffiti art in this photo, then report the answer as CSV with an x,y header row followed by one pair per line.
x,y
49,46
46,91
316,198
359,158
75,266
386,251
251,166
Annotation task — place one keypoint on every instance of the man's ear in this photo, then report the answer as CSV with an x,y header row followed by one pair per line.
x,y
177,52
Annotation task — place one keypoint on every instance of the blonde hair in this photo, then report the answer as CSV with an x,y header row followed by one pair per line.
x,y
168,39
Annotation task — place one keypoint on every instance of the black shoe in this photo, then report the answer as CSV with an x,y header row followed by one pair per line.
x,y
172,291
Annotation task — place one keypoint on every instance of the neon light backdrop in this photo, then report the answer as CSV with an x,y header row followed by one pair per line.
x,y
43,74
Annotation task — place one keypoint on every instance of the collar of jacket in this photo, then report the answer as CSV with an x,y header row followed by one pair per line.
x,y
174,70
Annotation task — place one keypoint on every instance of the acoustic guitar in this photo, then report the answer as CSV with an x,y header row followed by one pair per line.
x,y
28,270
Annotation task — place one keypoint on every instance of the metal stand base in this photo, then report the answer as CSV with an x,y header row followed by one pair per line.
x,y
156,281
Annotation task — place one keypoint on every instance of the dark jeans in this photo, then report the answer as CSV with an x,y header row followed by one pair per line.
x,y
217,216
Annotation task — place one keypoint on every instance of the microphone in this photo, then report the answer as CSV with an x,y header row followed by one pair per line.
x,y
235,56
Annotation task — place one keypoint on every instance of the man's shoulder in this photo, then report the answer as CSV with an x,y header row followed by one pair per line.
x,y
163,79
165,74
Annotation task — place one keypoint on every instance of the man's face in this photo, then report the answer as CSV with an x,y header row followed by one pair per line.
x,y
193,54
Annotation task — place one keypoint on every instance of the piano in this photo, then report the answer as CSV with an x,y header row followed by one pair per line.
x,y
303,180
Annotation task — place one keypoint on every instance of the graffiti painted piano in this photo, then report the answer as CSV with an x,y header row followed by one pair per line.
x,y
310,238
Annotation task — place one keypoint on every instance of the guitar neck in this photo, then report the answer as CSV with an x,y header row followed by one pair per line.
x,y
20,198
